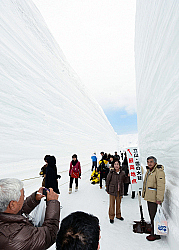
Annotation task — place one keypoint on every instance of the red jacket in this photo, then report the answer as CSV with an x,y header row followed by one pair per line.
x,y
76,168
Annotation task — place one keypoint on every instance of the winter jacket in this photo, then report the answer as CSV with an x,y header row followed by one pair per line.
x,y
126,170
154,184
51,179
76,168
93,158
103,165
95,177
17,232
112,182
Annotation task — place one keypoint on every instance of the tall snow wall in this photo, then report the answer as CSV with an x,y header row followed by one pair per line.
x,y
44,107
157,79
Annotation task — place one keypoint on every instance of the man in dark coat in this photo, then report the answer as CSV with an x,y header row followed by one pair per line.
x,y
116,156
16,231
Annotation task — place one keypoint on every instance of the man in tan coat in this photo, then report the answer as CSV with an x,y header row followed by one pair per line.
x,y
153,190
16,231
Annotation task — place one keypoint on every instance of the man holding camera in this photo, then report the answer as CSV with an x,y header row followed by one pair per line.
x,y
16,231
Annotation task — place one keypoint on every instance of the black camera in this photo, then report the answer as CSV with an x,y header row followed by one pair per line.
x,y
45,191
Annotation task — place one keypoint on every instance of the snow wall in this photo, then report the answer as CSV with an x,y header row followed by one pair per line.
x,y
129,140
44,107
157,79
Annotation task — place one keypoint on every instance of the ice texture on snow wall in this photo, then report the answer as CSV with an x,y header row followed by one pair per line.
x,y
45,109
157,79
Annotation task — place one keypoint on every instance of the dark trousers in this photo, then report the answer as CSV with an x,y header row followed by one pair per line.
x,y
133,194
94,165
126,187
71,181
101,178
152,209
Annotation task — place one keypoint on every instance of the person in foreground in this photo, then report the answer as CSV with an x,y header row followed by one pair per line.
x,y
115,189
79,231
153,190
16,231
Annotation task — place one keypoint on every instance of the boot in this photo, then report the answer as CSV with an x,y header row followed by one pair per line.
x,y
70,190
76,189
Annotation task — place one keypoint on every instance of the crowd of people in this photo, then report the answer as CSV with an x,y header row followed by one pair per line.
x,y
78,230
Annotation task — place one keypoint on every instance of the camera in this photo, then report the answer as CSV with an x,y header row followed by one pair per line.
x,y
45,191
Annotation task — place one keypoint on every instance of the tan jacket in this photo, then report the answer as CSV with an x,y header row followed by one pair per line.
x,y
154,184
17,232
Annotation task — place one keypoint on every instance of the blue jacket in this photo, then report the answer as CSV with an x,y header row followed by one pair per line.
x,y
94,158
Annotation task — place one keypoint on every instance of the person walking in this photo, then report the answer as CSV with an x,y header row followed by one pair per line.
x,y
51,175
94,161
74,172
103,169
115,189
153,191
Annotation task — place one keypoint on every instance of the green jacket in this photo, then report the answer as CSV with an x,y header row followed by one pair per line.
x,y
154,184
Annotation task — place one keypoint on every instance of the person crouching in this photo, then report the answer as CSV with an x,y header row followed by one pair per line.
x,y
115,189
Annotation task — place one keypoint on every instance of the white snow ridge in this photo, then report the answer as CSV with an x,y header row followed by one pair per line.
x,y
157,79
44,107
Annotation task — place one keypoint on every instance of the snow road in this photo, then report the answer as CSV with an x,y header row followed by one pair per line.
x,y
93,200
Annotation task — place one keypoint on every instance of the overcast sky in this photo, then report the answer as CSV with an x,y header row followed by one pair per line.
x,y
97,38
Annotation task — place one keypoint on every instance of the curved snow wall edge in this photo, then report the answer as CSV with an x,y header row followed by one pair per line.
x,y
157,79
44,107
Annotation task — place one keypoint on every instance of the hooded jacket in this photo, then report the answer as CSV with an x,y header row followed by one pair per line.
x,y
154,184
17,232
112,182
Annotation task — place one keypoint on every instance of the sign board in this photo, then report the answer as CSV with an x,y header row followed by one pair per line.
x,y
134,169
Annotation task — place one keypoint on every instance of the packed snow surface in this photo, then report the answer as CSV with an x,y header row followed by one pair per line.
x,y
91,199
157,79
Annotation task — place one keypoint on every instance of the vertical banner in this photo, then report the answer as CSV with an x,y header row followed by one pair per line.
x,y
134,169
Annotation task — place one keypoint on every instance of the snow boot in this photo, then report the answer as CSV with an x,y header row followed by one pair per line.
x,y
76,189
70,190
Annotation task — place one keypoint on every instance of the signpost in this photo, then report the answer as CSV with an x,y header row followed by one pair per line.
x,y
137,184
134,169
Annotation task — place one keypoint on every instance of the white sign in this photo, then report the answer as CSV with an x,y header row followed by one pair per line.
x,y
134,169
